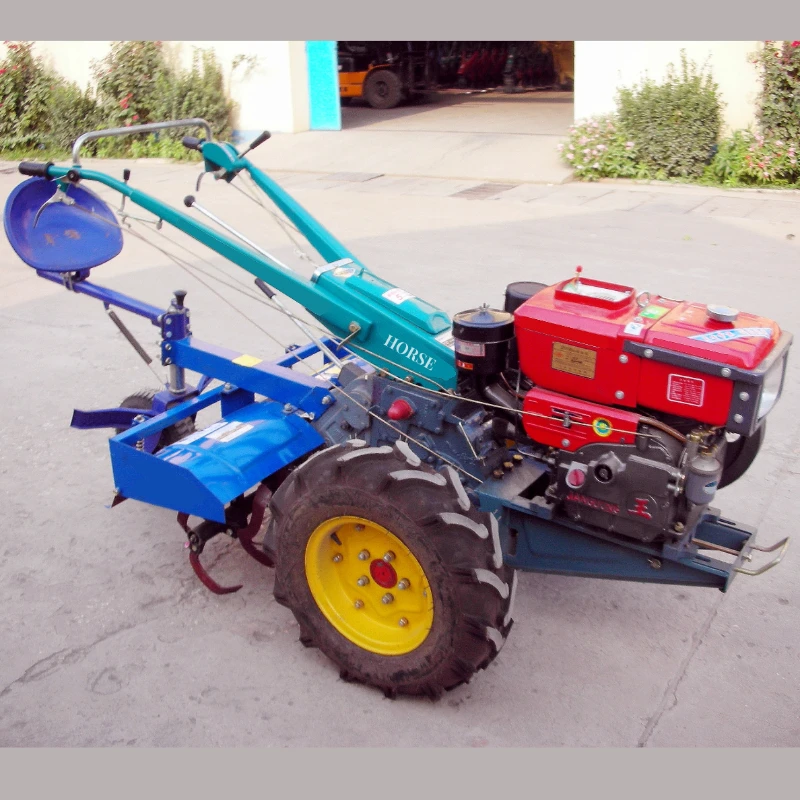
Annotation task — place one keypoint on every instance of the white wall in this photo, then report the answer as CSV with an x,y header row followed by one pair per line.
x,y
603,67
270,90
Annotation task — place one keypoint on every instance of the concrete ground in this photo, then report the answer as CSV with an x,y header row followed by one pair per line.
x,y
108,638
492,136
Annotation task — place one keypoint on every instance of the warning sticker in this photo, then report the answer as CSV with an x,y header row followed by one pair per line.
x,y
685,390
575,360
397,296
470,348
653,312
602,427
245,360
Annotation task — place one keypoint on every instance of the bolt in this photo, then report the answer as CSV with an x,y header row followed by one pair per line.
x,y
288,408
726,373
679,527
168,321
738,418
168,334
228,388
167,361
565,442
623,359
619,394
654,563
359,604
388,556
744,396
337,558
508,465
363,555
387,598
363,580
498,473
648,353
403,584
327,400
402,622
517,458
168,347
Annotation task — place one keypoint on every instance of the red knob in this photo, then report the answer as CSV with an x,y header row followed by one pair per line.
x,y
400,409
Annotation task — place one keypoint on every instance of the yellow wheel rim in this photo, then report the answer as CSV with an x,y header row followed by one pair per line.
x,y
369,586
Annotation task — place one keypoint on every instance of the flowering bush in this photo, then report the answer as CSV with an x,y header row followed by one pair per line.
x,y
779,102
597,148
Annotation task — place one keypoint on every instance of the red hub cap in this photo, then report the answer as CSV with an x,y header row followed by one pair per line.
x,y
382,573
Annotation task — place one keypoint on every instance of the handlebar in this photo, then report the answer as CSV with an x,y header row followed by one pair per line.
x,y
148,128
35,169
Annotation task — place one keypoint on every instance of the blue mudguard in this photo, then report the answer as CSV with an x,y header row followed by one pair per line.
x,y
203,472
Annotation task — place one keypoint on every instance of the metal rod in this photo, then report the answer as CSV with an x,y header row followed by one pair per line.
x,y
148,128
703,545
132,340
273,297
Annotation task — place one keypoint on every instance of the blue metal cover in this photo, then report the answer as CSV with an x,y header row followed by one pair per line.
x,y
203,472
65,238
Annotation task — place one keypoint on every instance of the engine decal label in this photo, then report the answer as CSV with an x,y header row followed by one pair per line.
x,y
602,427
716,337
476,349
575,360
685,390
245,360
592,502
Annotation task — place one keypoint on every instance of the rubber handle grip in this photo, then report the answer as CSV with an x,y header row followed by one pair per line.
x,y
259,140
192,142
35,169
188,201
265,287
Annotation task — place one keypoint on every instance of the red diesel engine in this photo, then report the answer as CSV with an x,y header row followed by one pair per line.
x,y
642,406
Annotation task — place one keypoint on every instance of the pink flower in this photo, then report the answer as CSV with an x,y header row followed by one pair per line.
x,y
778,143
596,165
559,147
572,147
582,140
570,156
135,117
796,44
2,71
601,147
628,145
586,151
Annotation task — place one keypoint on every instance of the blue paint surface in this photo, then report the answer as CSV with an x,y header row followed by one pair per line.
x,y
325,113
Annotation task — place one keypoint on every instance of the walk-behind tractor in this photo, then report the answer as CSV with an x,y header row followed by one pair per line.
x,y
406,464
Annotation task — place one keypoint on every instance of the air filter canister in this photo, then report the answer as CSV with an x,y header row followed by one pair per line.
x,y
482,336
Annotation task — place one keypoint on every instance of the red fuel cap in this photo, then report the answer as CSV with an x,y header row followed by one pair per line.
x,y
382,573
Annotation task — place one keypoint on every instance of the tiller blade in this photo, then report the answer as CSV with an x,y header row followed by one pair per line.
x,y
237,526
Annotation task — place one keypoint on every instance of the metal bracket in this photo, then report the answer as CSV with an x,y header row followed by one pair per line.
x,y
783,544
59,197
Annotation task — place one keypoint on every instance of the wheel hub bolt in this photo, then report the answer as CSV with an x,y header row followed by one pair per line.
x,y
402,622
387,598
363,580
388,557
403,584
363,555
359,527
359,604
337,558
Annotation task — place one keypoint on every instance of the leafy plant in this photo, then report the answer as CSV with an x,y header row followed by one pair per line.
x,y
597,148
779,100
676,123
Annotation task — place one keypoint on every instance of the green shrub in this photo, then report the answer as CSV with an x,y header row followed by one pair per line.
x,y
41,113
676,123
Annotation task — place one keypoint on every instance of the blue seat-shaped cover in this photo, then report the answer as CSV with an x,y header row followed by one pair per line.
x,y
66,238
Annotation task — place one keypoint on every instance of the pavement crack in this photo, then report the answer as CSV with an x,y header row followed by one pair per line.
x,y
60,658
670,698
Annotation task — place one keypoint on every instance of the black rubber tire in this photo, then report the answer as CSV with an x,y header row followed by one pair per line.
x,y
383,89
740,454
143,399
457,546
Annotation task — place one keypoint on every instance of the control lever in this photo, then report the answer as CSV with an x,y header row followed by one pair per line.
x,y
259,140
